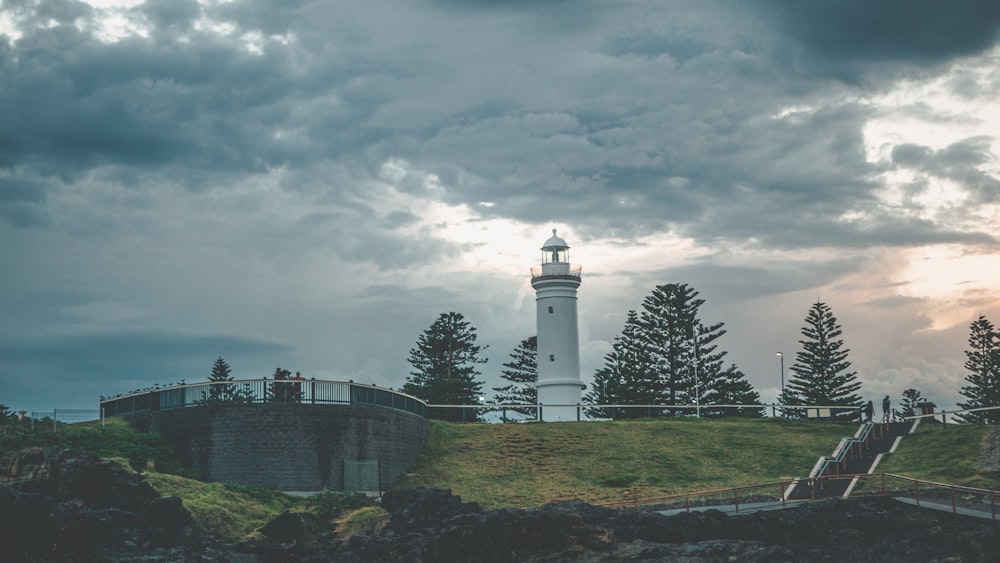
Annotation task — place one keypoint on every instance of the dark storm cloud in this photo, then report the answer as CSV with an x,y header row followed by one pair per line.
x,y
72,102
294,169
211,105
734,282
853,40
22,201
127,355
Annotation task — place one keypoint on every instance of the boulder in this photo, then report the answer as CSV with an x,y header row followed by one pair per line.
x,y
57,505
287,527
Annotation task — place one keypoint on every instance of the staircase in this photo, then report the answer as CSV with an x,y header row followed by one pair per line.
x,y
853,456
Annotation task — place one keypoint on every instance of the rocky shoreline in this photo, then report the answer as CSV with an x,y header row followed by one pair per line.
x,y
57,505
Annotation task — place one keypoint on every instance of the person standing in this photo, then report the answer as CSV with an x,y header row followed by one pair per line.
x,y
885,409
869,411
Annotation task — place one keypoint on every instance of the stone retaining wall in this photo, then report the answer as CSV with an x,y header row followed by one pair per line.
x,y
292,447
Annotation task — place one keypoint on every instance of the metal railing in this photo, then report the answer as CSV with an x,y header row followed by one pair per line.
x,y
755,495
260,391
523,412
846,447
923,493
944,414
957,499
556,270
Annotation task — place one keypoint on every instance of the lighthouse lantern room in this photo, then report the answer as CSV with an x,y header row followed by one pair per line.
x,y
555,283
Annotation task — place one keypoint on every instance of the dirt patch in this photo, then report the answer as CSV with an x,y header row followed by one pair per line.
x,y
989,458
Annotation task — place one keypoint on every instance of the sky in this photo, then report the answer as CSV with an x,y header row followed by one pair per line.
x,y
309,184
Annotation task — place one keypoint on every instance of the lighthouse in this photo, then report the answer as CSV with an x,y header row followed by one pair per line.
x,y
555,283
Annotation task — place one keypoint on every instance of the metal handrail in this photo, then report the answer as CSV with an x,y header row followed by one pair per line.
x,y
569,271
689,502
843,448
652,410
690,499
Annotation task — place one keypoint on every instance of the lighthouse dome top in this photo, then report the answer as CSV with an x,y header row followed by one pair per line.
x,y
554,243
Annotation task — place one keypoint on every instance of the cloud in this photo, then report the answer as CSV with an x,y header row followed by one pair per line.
x,y
313,183
889,38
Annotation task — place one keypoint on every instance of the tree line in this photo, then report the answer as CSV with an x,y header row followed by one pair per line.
x,y
665,355
668,360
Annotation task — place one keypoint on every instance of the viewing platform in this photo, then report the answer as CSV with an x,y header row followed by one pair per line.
x,y
291,434
259,391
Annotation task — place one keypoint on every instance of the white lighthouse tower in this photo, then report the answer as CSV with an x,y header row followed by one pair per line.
x,y
555,284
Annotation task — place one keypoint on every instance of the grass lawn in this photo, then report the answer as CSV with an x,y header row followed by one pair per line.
x,y
532,464
944,454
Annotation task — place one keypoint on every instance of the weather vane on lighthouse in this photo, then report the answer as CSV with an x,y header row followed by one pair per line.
x,y
555,284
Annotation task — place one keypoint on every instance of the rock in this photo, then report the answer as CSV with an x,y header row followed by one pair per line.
x,y
32,529
61,505
60,473
168,513
857,529
410,508
287,527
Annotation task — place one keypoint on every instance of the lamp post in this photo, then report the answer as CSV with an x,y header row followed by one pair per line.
x,y
782,358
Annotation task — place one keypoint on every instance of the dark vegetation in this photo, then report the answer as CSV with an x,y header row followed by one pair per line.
x,y
115,439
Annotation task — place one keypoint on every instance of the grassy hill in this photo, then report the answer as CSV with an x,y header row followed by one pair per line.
x,y
532,464
944,454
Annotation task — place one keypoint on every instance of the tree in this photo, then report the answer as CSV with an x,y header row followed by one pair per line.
x,y
6,415
686,361
908,406
522,373
730,387
667,356
624,379
444,362
220,390
244,394
820,376
983,363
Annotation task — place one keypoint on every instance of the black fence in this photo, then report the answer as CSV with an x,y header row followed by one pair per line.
x,y
260,391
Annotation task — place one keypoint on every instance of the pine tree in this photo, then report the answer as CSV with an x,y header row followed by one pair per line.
x,y
220,390
820,377
625,377
908,406
686,360
983,363
444,362
667,356
731,387
522,373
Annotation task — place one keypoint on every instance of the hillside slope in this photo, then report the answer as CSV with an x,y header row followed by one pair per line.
x,y
533,464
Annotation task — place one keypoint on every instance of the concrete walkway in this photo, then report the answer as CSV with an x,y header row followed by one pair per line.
x,y
751,507
964,511
744,508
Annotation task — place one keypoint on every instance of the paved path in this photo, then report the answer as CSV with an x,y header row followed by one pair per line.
x,y
744,508
965,511
751,507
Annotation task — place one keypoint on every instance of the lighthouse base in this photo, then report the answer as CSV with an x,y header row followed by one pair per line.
x,y
559,400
